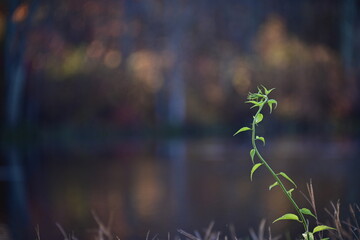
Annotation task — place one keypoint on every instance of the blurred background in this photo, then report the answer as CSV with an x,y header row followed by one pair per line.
x,y
127,108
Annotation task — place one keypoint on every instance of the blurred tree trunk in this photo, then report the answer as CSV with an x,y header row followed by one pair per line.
x,y
128,38
17,26
347,33
348,53
177,16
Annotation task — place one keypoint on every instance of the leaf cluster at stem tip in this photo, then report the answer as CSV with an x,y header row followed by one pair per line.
x,y
261,97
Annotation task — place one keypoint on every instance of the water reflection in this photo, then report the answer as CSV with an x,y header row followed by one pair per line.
x,y
164,185
17,197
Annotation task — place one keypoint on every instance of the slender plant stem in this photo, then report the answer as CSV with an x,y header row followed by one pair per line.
x,y
275,176
260,99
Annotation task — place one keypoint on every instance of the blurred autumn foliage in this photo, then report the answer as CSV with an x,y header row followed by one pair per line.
x,y
149,63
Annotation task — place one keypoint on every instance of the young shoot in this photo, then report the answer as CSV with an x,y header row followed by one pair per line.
x,y
258,101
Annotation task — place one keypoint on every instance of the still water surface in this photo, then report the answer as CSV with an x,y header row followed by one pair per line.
x,y
167,184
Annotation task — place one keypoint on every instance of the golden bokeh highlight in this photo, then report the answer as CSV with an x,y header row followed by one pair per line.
x,y
146,67
273,43
241,76
148,190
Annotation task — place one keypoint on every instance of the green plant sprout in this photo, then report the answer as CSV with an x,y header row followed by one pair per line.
x,y
259,100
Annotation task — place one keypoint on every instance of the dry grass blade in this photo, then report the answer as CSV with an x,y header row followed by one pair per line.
x,y
208,230
155,237
253,234
232,232
342,233
353,215
218,236
261,231
352,223
270,235
335,215
104,231
61,229
269,230
37,230
188,235
311,198
197,234
73,237
310,189
351,228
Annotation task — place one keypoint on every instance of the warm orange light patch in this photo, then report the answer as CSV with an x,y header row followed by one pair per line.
x,y
146,67
2,25
20,13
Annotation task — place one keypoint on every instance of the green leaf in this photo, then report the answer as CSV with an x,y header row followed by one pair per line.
x,y
288,216
256,166
256,104
270,106
322,228
273,185
257,95
258,118
261,139
269,91
272,101
307,212
325,239
290,191
253,96
243,129
266,90
252,154
253,102
287,177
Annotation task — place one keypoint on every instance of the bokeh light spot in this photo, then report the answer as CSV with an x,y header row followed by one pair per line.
x,y
95,50
112,59
20,13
